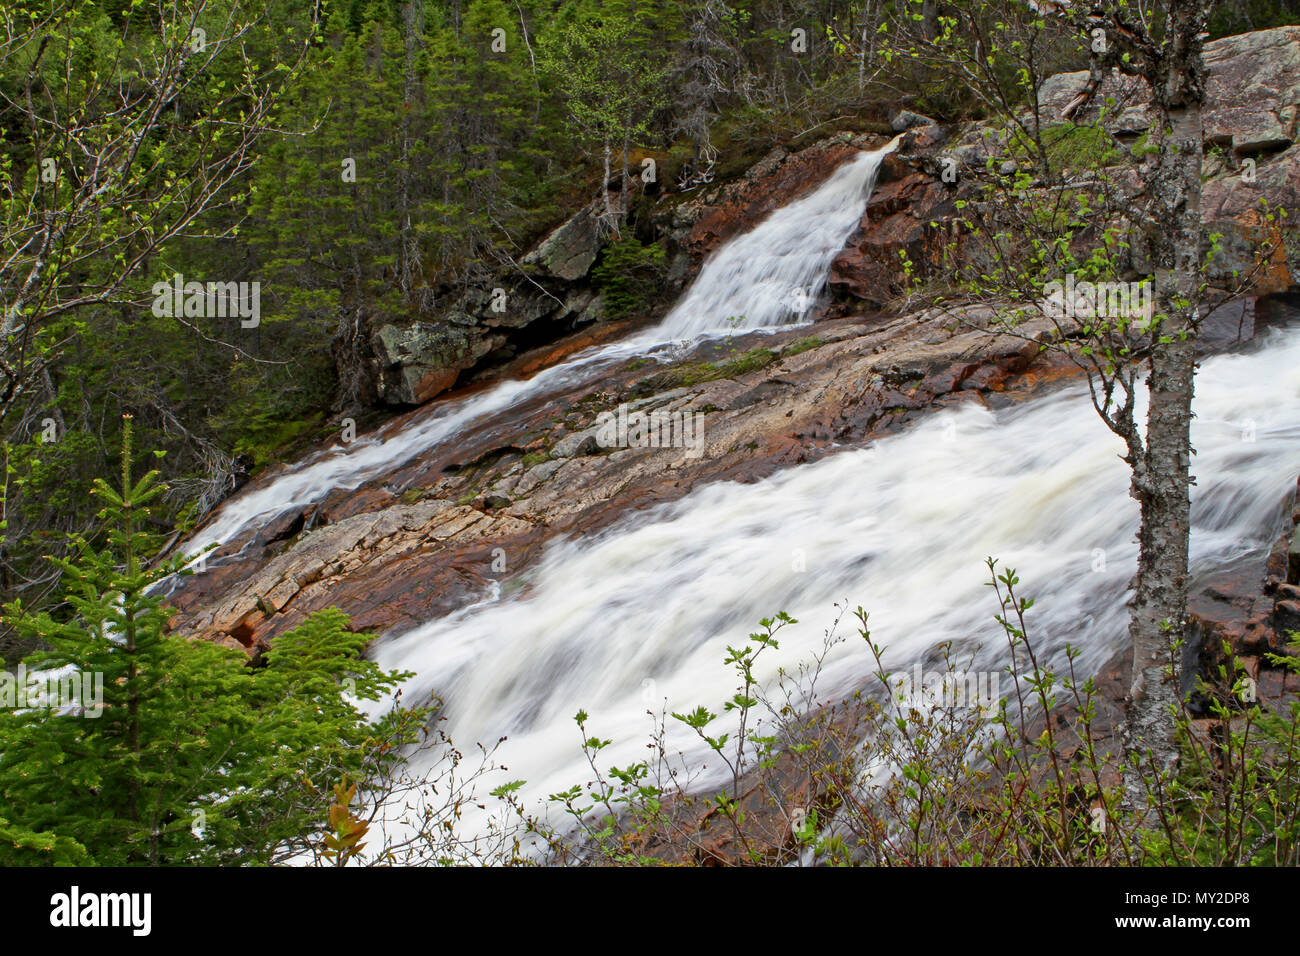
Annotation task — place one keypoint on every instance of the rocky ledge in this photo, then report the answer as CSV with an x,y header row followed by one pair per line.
x,y
420,541
1251,122
552,293
429,535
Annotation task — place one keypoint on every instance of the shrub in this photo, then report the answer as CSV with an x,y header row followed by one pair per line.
x,y
176,751
629,276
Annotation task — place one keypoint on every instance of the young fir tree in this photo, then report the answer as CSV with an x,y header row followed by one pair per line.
x,y
196,757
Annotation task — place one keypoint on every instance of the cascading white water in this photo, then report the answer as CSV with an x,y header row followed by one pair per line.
x,y
642,613
770,275
774,273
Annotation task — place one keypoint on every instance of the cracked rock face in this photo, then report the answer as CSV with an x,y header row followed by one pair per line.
x,y
1252,93
424,359
443,529
1251,117
1253,90
570,250
322,566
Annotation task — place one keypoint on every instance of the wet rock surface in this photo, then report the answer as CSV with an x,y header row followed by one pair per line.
x,y
552,294
440,529
420,540
450,525
702,223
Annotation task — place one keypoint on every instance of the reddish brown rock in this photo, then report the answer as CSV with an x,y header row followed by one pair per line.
x,y
407,546
897,221
1253,89
1231,207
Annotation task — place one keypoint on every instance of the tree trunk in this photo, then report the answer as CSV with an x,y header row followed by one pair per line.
x,y
623,183
611,221
1162,475
929,19
1159,609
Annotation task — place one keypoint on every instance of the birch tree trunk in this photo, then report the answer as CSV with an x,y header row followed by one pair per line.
x,y
611,220
1162,473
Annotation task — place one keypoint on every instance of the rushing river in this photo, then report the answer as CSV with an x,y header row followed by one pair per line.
x,y
640,615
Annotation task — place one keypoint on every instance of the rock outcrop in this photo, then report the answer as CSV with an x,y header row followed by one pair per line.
x,y
569,251
422,360
909,196
1252,94
1251,117
492,320
420,541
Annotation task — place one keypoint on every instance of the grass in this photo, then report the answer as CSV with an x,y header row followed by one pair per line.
x,y
802,345
696,373
1073,146
275,440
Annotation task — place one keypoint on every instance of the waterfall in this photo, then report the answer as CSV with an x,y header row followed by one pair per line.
x,y
766,277
773,273
640,615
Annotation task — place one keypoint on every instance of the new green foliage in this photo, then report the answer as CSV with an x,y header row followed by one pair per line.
x,y
629,276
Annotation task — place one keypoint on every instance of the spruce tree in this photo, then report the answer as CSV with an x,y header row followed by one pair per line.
x,y
191,755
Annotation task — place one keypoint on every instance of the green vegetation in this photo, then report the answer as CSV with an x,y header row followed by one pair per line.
x,y
176,751
695,373
804,344
181,753
629,276
372,164
1078,147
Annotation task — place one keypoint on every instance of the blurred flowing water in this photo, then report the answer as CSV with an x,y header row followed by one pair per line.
x,y
767,277
642,613
639,616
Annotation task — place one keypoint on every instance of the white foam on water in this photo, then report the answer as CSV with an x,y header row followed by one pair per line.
x,y
901,527
766,277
